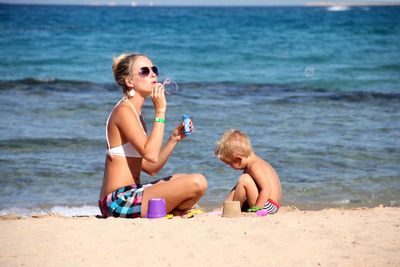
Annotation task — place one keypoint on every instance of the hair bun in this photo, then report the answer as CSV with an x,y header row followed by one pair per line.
x,y
117,60
122,67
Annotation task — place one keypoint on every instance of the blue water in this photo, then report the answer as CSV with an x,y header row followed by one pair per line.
x,y
317,92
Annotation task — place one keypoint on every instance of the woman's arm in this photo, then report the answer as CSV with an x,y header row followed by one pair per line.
x,y
148,147
152,168
129,126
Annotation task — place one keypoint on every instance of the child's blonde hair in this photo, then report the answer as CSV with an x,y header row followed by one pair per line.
x,y
233,143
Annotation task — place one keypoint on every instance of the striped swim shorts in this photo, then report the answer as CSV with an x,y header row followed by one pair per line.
x,y
126,202
271,206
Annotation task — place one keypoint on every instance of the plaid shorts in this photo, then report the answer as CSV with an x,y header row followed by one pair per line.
x,y
125,202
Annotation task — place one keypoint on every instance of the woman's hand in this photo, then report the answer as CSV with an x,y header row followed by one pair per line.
x,y
158,98
179,132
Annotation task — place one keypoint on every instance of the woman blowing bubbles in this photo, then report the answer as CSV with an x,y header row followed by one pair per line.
x,y
131,150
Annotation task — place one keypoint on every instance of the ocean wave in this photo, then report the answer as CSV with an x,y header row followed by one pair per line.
x,y
294,93
360,96
287,92
389,67
53,84
41,143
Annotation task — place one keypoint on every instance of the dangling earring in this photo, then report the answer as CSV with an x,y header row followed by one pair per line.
x,y
131,92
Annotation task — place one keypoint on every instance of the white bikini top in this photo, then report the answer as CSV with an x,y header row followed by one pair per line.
x,y
125,150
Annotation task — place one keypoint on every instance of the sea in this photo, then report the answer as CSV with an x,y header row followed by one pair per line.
x,y
317,92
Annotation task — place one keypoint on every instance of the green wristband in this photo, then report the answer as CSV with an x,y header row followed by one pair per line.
x,y
159,120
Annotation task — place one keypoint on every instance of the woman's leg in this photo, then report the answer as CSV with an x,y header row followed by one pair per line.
x,y
166,179
181,192
246,188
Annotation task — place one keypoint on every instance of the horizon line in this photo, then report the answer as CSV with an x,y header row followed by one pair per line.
x,y
133,4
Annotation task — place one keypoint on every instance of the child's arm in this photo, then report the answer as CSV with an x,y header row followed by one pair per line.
x,y
228,198
231,194
258,174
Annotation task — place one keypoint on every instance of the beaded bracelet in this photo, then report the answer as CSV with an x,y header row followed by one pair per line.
x,y
159,120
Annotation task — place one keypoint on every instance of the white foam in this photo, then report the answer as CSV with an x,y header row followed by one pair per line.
x,y
341,202
338,8
62,210
76,211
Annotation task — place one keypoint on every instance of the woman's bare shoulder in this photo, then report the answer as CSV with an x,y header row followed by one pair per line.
x,y
122,111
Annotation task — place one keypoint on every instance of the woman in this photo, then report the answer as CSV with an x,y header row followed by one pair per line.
x,y
131,150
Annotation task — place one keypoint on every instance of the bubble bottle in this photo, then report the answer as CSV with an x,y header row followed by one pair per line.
x,y
186,123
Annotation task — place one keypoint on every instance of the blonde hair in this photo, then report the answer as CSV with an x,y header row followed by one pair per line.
x,y
233,143
122,67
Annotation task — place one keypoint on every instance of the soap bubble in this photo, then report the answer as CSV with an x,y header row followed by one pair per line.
x,y
170,86
309,72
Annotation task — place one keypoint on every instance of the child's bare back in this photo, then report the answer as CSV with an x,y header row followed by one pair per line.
x,y
269,174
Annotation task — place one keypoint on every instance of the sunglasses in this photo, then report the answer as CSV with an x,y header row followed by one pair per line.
x,y
145,71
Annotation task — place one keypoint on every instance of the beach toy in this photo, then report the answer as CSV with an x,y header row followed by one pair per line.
x,y
156,208
186,123
170,86
231,209
194,211
254,209
262,213
169,216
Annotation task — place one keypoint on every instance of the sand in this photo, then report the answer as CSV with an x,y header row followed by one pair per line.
x,y
330,237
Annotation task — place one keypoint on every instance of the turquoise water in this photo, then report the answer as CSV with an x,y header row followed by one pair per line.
x,y
317,92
